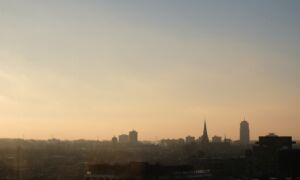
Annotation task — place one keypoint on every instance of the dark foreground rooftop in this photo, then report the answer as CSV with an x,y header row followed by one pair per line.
x,y
143,170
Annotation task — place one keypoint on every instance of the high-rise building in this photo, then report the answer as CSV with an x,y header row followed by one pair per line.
x,y
123,138
204,139
133,137
244,133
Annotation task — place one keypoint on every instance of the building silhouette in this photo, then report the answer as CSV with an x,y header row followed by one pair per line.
x,y
133,137
227,140
189,139
123,138
244,133
204,138
272,156
114,140
274,142
217,139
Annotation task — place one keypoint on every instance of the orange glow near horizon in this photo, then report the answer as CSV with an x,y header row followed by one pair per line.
x,y
91,71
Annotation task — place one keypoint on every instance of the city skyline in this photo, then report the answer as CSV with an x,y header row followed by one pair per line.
x,y
132,137
95,69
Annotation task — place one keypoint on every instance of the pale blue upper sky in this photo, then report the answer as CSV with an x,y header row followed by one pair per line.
x,y
76,69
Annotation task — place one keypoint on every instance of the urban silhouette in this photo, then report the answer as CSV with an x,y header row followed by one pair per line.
x,y
126,157
149,90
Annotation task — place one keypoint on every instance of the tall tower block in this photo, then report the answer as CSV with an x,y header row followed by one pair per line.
x,y
244,133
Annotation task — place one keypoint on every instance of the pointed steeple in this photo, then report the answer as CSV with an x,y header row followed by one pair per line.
x,y
204,138
204,130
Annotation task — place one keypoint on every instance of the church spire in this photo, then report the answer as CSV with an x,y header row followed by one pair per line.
x,y
204,138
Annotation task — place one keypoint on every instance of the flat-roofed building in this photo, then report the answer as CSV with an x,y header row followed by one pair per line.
x,y
123,138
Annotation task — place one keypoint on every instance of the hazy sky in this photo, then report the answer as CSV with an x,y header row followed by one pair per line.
x,y
87,69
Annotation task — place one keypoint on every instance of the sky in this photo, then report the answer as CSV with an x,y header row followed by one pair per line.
x,y
95,69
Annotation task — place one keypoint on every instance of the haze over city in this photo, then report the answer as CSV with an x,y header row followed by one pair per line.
x,y
95,69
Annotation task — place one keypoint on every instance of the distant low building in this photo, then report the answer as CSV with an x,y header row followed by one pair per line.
x,y
190,139
216,139
171,142
124,138
227,140
114,140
